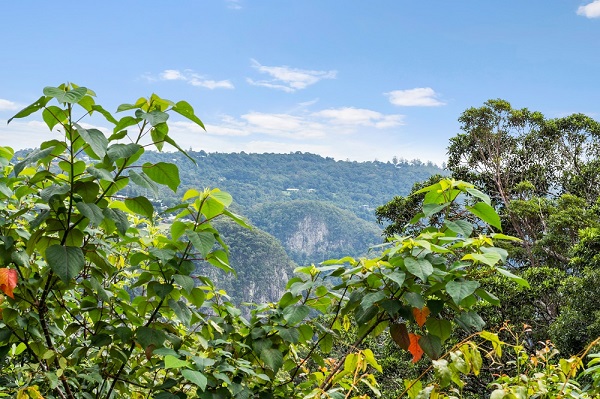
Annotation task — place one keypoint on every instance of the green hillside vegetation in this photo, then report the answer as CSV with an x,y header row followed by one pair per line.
x,y
254,179
314,231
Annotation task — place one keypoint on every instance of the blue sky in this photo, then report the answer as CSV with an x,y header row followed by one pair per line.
x,y
348,79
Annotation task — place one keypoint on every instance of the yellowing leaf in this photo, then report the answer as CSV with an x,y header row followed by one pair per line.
x,y
8,281
414,347
421,315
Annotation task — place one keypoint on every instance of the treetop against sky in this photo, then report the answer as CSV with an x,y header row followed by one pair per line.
x,y
341,79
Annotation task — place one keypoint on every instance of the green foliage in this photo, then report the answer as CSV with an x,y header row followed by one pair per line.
x,y
102,302
540,174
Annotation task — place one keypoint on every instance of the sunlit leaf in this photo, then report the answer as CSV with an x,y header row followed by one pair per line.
x,y
8,281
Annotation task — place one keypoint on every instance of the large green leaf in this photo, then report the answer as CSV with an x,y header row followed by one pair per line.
x,y
272,358
419,267
461,227
181,310
70,96
203,241
439,327
486,213
54,115
470,321
185,109
30,109
431,345
295,314
65,262
459,290
147,336
163,173
92,212
121,151
119,218
141,206
195,377
96,140
142,180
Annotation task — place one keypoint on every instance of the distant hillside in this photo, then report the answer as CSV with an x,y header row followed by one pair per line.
x,y
313,231
254,179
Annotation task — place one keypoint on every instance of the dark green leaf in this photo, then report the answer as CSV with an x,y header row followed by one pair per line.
x,y
147,336
195,377
143,181
272,358
92,212
431,345
470,321
162,290
181,310
290,335
122,151
295,314
119,218
66,262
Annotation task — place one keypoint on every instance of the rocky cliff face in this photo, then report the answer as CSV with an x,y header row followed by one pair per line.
x,y
313,231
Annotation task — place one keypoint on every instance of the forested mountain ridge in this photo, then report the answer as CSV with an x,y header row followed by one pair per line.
x,y
254,179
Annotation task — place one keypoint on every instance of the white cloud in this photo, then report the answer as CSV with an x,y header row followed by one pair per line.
x,y
171,74
6,105
418,97
25,134
273,122
288,79
591,10
190,77
360,117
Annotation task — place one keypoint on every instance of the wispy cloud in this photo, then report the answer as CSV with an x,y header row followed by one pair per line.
x,y
418,97
349,116
591,10
288,79
234,4
6,105
190,77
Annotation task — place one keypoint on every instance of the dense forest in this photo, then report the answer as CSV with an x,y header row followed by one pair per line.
x,y
486,285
